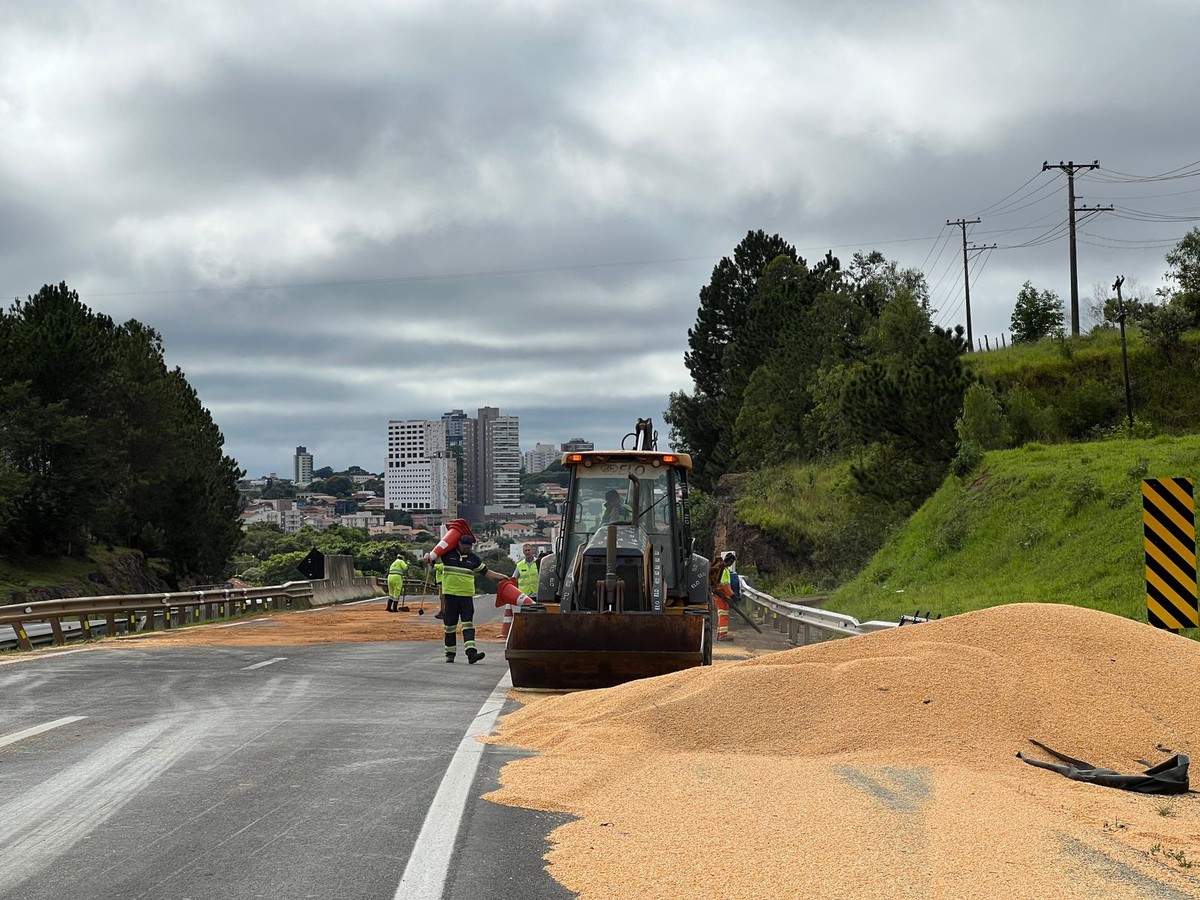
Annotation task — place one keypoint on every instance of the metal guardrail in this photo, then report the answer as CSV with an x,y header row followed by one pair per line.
x,y
801,621
411,587
54,621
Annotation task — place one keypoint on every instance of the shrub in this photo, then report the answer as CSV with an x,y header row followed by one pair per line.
x,y
1086,405
983,422
1026,420
1163,327
967,460
1080,493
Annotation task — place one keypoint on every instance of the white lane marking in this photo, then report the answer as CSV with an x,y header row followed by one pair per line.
x,y
38,729
266,662
44,655
425,875
38,827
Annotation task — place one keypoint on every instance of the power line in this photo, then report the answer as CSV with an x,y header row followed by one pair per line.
x,y
991,210
1012,208
1190,170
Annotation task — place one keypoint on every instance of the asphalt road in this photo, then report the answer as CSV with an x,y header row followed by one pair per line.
x,y
281,772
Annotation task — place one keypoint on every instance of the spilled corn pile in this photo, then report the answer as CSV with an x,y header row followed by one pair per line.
x,y
323,625
879,766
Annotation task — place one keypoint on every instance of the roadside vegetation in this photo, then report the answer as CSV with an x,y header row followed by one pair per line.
x,y
1046,524
832,421
268,556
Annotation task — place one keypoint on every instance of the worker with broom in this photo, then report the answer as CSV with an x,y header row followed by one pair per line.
x,y
396,582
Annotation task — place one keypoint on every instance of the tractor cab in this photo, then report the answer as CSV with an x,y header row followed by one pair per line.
x,y
622,596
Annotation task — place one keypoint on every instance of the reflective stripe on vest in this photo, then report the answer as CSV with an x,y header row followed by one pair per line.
x,y
458,577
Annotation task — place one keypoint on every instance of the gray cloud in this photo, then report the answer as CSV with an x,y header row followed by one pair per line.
x,y
338,215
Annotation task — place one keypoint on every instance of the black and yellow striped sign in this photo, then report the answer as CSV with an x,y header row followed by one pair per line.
x,y
1169,523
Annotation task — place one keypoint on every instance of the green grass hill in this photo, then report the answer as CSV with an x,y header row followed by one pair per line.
x,y
1051,524
1080,380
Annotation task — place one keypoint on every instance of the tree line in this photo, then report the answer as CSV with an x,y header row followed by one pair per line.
x,y
268,556
100,441
793,362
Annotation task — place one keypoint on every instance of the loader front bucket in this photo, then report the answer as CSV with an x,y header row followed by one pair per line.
x,y
579,650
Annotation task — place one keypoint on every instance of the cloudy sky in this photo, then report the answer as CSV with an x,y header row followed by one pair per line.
x,y
341,214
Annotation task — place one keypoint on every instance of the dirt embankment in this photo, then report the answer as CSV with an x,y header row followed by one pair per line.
x,y
119,571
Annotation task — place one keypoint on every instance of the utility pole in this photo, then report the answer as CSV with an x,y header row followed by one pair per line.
x,y
1070,168
1124,358
963,223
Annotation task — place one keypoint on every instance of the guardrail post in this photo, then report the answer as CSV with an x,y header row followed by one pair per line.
x,y
56,629
22,637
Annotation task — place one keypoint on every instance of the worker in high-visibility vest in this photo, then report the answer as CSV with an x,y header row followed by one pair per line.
x,y
735,580
722,593
526,576
526,573
396,582
460,566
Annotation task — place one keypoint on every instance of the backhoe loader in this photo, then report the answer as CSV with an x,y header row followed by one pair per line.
x,y
622,596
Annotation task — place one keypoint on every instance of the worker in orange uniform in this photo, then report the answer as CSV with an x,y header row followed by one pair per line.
x,y
720,584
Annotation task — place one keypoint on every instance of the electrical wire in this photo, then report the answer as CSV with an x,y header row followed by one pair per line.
x,y
991,209
1010,209
1051,234
1190,170
1139,215
945,236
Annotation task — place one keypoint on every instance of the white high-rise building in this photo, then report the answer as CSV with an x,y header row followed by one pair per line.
x,y
541,456
419,474
302,466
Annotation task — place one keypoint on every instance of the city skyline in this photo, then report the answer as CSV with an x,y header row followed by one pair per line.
x,y
317,463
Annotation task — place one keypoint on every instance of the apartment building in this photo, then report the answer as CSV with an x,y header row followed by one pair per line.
x,y
420,474
540,457
493,458
302,466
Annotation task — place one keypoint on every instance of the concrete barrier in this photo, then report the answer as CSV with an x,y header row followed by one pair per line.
x,y
339,590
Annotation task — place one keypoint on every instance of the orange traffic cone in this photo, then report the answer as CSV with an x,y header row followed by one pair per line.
x,y
509,596
455,529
